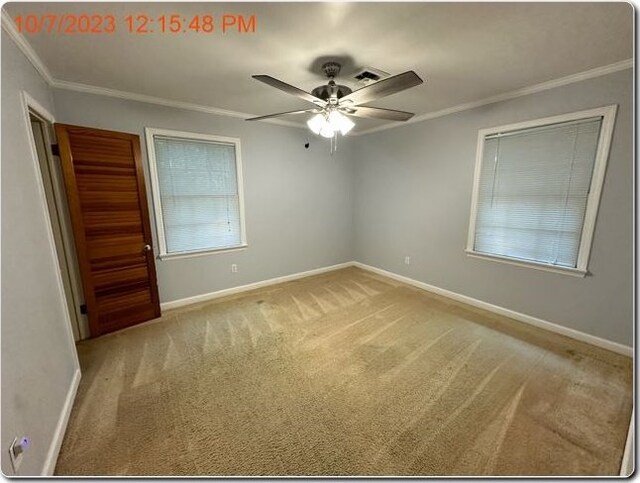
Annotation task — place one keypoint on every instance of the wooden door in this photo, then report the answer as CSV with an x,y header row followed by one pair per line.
x,y
107,199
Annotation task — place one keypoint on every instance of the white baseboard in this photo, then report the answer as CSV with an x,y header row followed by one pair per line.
x,y
244,288
627,466
528,319
52,456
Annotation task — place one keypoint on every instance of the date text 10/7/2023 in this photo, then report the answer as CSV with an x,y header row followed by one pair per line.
x,y
135,24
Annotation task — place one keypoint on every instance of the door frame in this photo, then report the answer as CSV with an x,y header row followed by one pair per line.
x,y
30,104
61,223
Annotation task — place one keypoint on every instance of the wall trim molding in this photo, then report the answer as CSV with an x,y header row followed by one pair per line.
x,y
520,317
27,50
524,91
627,461
28,102
58,435
174,304
580,76
25,47
132,96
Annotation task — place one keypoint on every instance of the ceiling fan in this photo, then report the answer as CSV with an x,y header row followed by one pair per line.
x,y
334,102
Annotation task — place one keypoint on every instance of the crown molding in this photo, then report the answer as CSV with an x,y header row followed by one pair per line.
x,y
132,96
27,50
562,81
10,27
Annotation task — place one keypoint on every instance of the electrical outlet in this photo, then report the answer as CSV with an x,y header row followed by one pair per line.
x,y
407,260
234,268
16,452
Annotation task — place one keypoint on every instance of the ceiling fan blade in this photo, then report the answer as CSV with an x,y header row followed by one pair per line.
x,y
378,113
259,118
383,88
289,89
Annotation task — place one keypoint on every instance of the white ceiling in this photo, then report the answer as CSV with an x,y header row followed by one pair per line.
x,y
464,51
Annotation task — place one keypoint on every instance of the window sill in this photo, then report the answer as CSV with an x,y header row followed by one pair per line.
x,y
574,272
200,253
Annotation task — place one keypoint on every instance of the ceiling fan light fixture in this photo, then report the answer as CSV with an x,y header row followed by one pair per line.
x,y
327,131
316,123
327,125
340,122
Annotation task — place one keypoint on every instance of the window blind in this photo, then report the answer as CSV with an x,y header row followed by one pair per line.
x,y
198,193
533,192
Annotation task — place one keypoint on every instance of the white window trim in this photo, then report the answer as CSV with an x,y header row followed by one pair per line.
x,y
155,190
608,114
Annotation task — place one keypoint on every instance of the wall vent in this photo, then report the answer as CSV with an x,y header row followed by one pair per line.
x,y
369,75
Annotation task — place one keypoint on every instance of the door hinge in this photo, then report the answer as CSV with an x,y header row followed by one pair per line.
x,y
83,309
55,149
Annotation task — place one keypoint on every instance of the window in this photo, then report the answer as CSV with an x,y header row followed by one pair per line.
x,y
537,188
197,190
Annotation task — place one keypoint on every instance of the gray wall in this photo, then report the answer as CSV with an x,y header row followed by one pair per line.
x,y
413,197
405,191
298,202
38,357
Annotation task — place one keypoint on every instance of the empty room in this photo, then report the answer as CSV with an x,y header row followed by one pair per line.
x,y
340,239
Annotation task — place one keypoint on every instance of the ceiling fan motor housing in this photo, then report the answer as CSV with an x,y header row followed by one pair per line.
x,y
330,90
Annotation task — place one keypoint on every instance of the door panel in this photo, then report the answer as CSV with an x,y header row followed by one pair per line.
x,y
108,204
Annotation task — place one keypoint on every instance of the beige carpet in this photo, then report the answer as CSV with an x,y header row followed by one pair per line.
x,y
345,373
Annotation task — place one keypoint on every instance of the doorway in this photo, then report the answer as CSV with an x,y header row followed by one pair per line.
x,y
43,137
93,187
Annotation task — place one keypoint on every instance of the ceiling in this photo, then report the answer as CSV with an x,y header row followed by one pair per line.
x,y
465,52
